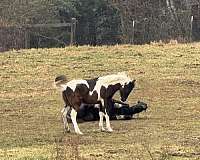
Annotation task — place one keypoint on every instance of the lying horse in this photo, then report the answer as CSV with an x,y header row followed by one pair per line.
x,y
90,112
94,91
126,112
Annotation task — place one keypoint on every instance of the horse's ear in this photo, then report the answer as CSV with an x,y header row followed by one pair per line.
x,y
133,81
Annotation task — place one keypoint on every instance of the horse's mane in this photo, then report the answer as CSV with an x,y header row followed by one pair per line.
x,y
113,79
120,77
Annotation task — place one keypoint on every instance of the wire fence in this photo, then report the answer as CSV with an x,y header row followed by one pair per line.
x,y
136,32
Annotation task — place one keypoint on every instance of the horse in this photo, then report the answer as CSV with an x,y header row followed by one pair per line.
x,y
120,111
93,91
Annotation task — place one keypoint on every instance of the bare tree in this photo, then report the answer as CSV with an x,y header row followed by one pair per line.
x,y
154,19
27,12
20,13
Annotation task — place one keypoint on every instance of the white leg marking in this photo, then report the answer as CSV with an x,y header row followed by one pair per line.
x,y
73,117
64,116
101,115
108,123
102,103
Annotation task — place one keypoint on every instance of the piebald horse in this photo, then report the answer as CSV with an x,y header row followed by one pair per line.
x,y
93,91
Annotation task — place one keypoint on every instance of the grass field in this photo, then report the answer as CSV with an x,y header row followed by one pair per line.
x,y
167,78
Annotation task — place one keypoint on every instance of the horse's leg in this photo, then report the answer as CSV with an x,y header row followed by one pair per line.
x,y
73,117
108,122
107,107
65,121
101,115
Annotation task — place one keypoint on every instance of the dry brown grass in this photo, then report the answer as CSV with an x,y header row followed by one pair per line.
x,y
168,79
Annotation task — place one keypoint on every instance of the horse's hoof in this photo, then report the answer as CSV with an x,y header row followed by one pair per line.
x,y
102,129
67,131
80,133
110,130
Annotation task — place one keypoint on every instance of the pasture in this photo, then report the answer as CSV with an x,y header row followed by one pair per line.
x,y
167,79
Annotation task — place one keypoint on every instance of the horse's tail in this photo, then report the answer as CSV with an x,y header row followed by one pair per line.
x,y
59,81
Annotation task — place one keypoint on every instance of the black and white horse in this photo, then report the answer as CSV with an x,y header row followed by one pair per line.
x,y
120,111
94,91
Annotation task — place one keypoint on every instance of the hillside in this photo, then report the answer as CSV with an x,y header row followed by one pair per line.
x,y
167,79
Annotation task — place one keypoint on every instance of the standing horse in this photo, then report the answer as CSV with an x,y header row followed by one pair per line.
x,y
94,91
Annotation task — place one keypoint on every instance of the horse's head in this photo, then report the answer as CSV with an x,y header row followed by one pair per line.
x,y
142,105
126,89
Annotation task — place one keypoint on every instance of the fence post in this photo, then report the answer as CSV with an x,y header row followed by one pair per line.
x,y
133,31
191,27
73,31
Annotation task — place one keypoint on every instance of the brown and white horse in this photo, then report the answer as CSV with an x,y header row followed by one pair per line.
x,y
94,91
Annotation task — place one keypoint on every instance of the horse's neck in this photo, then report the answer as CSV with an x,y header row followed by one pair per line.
x,y
114,89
